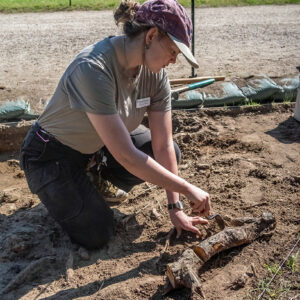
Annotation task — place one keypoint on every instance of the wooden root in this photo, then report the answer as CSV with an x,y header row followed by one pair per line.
x,y
184,272
29,272
167,244
247,230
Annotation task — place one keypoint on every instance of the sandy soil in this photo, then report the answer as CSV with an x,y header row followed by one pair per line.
x,y
247,160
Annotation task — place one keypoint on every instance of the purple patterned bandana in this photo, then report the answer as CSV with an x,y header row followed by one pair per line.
x,y
167,15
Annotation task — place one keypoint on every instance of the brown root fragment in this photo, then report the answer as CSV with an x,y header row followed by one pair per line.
x,y
248,220
255,205
168,239
253,270
228,238
235,236
191,280
220,221
167,244
29,272
184,272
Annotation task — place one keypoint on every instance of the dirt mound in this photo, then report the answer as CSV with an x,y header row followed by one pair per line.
x,y
12,135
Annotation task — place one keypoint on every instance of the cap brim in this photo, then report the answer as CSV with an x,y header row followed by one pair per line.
x,y
185,50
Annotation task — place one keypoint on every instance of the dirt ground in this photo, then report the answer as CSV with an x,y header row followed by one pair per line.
x,y
248,160
249,163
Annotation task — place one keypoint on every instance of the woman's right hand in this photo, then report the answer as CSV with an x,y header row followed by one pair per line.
x,y
199,200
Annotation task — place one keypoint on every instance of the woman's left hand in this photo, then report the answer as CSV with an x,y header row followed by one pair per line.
x,y
181,221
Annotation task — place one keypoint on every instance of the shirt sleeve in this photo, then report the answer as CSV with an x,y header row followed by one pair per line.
x,y
161,98
91,88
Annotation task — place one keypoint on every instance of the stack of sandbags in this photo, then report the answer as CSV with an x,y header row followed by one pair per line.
x,y
258,89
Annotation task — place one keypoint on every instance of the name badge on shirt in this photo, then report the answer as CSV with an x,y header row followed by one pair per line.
x,y
143,102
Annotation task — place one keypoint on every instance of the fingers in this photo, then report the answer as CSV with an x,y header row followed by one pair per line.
x,y
195,221
198,220
203,208
199,207
179,231
190,228
184,222
195,230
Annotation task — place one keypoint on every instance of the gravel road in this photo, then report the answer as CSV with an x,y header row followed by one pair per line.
x,y
36,48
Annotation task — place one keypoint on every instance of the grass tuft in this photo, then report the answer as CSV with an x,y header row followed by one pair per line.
x,y
250,102
272,269
292,262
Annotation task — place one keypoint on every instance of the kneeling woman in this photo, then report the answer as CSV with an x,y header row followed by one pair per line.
x,y
99,103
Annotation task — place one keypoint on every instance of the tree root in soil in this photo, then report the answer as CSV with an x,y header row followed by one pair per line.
x,y
184,271
167,244
28,273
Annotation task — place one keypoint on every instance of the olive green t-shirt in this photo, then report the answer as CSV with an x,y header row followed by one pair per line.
x,y
96,83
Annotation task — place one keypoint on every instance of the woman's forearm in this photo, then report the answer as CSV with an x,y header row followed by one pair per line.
x,y
146,168
167,158
115,136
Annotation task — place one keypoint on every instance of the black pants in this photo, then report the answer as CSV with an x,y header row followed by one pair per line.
x,y
56,173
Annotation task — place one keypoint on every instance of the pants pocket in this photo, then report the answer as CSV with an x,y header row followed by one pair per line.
x,y
39,174
62,194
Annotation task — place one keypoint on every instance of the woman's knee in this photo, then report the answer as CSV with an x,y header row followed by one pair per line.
x,y
91,230
93,238
81,211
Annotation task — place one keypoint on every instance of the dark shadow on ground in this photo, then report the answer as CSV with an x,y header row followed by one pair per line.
x,y
8,155
287,132
92,288
32,234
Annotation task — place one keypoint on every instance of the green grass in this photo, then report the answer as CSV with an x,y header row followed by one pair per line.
x,y
271,293
10,6
272,269
292,263
284,284
250,102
